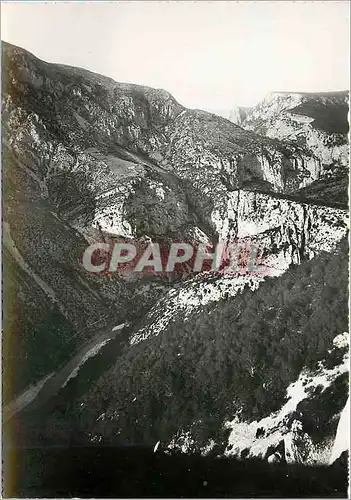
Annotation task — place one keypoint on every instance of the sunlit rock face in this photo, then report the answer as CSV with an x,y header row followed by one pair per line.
x,y
67,122
342,438
284,232
296,433
183,301
292,434
238,114
317,121
130,161
88,158
248,213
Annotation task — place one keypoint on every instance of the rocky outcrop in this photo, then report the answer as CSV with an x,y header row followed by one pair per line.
x,y
342,437
181,302
130,161
248,213
285,232
70,124
291,434
317,121
238,114
87,158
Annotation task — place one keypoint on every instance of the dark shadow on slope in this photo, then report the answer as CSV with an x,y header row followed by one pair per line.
x,y
331,117
136,472
329,192
332,191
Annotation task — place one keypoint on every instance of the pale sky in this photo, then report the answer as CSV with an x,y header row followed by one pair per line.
x,y
209,55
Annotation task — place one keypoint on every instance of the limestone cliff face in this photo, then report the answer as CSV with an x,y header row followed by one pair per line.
x,y
128,160
238,114
286,233
87,157
72,127
316,121
308,227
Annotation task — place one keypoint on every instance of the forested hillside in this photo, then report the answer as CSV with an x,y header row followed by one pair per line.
x,y
239,354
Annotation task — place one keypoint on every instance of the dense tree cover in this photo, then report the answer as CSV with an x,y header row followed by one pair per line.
x,y
37,337
238,354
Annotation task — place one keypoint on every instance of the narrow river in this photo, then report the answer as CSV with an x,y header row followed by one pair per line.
x,y
38,394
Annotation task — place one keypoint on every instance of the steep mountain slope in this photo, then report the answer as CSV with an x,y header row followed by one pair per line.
x,y
87,159
317,121
324,111
233,361
304,428
131,161
52,305
81,124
